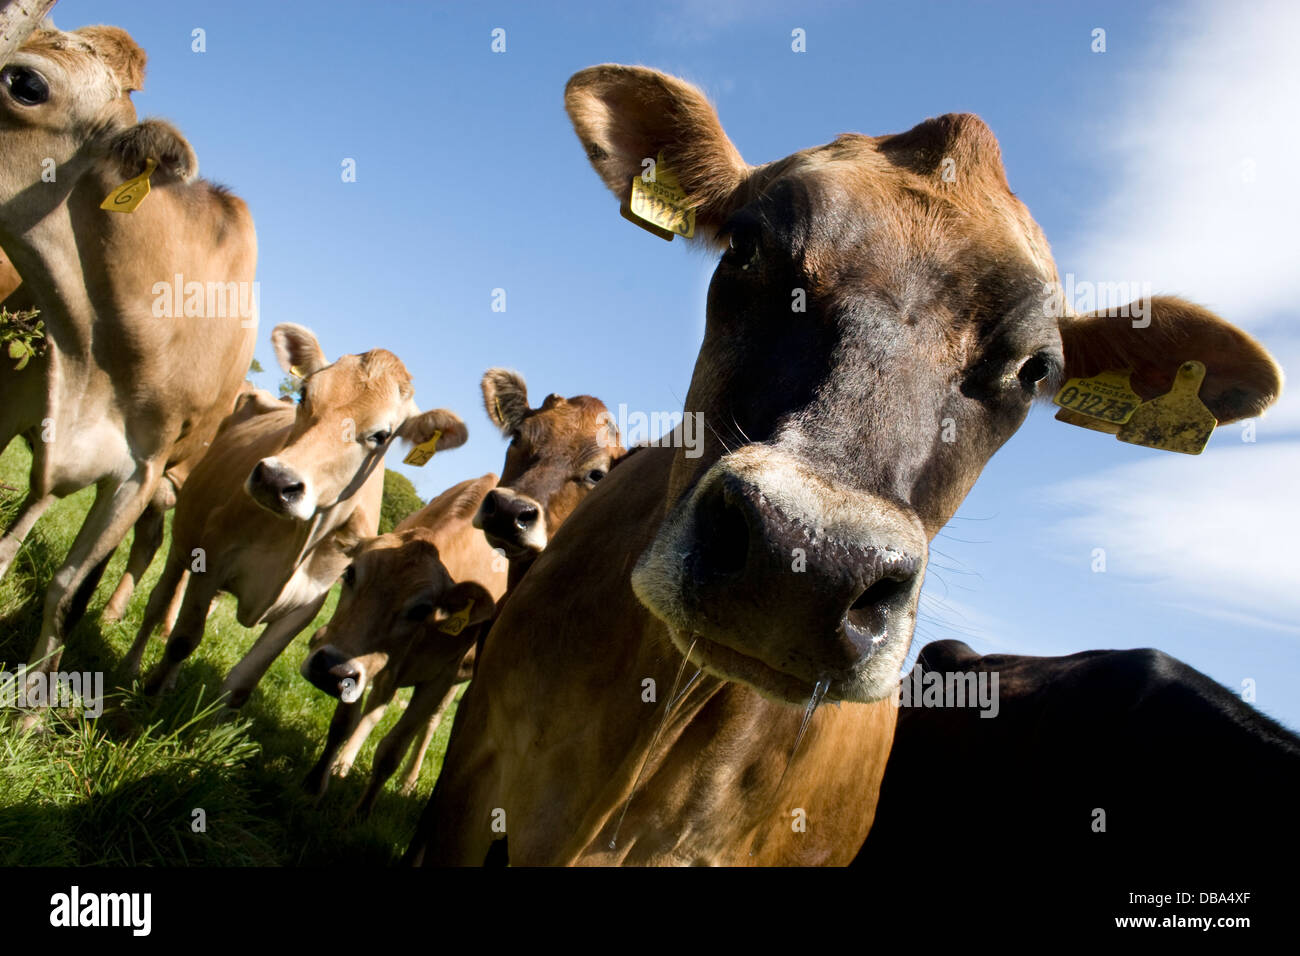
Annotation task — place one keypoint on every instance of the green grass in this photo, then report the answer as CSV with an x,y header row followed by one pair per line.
x,y
123,789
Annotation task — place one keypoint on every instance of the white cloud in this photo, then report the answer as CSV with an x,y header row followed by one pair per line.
x,y
1217,534
1204,158
1204,205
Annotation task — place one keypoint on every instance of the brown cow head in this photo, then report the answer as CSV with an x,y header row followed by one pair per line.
x,y
397,597
874,297
557,454
65,109
348,414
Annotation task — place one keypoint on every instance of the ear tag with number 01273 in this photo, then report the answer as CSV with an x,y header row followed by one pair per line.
x,y
660,205
1102,402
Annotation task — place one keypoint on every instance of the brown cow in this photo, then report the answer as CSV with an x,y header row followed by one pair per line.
x,y
270,512
391,630
148,530
785,565
557,454
106,404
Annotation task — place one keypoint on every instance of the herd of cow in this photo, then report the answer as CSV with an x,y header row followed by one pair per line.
x,y
649,634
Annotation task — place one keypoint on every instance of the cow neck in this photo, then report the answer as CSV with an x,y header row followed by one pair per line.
x,y
47,258
721,780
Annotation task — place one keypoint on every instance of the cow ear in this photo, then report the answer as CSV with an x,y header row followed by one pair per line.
x,y
505,396
119,52
1155,338
157,140
625,115
419,428
456,597
297,350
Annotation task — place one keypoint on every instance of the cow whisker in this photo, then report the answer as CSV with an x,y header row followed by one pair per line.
x,y
668,709
818,695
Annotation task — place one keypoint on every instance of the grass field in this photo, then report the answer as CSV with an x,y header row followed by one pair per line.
x,y
123,789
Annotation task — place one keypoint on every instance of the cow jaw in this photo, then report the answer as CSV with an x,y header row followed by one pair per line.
x,y
782,580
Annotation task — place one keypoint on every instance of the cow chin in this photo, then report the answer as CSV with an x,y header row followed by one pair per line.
x,y
873,679
773,578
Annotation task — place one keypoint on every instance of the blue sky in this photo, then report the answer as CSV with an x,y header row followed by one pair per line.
x,y
1156,161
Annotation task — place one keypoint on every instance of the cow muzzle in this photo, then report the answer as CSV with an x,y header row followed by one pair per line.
x,y
513,522
281,490
336,674
783,580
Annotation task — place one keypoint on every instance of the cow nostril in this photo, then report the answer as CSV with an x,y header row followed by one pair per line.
x,y
879,593
526,518
489,505
726,537
292,492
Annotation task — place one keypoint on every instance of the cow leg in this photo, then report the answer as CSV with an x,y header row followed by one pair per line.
x,y
174,608
377,701
33,507
426,701
167,594
115,509
342,724
80,600
416,758
278,635
185,636
145,544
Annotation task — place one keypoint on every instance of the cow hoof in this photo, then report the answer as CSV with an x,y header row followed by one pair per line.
x,y
316,782
237,697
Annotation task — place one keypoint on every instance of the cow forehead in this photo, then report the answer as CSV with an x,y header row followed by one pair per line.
x,y
398,561
937,191
369,382
564,421
74,55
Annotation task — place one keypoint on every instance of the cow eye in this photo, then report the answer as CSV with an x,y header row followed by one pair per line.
x,y
418,612
743,249
595,475
26,86
1034,370
349,576
379,437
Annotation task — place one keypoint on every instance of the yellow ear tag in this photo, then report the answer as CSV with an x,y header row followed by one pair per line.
x,y
660,206
128,196
419,455
1176,421
458,621
1102,402
296,372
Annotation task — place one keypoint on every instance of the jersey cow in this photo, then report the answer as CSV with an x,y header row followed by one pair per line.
x,y
283,493
557,454
1103,766
645,686
127,385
